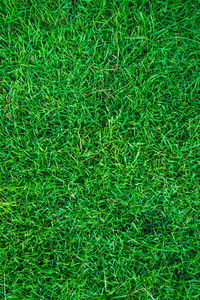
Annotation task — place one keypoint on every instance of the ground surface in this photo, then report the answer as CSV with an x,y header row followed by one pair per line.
x,y
99,149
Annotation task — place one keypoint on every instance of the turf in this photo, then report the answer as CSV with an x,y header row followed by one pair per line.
x,y
99,149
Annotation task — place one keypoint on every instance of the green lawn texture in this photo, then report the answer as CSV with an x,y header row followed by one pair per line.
x,y
99,149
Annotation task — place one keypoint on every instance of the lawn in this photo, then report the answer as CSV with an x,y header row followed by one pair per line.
x,y
99,149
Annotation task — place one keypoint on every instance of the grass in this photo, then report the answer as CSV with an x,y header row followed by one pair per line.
x,y
99,149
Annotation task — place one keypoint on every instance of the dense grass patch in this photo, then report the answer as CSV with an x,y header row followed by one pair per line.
x,y
99,149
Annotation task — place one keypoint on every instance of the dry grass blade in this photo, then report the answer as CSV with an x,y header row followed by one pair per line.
x,y
142,289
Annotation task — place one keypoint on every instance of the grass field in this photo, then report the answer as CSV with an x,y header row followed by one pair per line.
x,y
99,149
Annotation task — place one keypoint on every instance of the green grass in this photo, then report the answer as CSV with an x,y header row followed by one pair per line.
x,y
99,149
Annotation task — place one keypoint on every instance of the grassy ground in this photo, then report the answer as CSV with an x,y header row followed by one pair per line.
x,y
99,149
